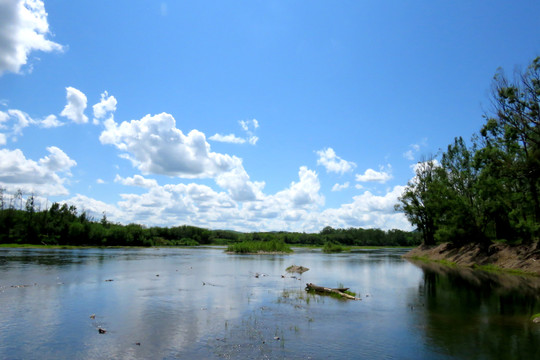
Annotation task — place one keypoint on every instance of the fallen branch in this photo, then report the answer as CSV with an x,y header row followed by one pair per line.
x,y
325,290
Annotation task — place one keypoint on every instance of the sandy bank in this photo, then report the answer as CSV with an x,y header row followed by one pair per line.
x,y
525,258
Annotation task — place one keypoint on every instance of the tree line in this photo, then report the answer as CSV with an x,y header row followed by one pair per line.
x,y
22,222
487,191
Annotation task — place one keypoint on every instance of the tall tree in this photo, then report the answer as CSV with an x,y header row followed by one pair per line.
x,y
510,158
418,201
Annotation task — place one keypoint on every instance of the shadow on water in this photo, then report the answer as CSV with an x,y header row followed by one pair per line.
x,y
475,314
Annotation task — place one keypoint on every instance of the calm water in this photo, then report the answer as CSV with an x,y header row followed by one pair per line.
x,y
203,303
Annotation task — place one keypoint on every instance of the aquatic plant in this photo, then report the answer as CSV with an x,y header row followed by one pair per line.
x,y
255,247
332,248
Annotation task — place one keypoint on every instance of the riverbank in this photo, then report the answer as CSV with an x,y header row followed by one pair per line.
x,y
521,258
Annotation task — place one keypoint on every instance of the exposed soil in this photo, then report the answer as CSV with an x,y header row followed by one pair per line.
x,y
525,258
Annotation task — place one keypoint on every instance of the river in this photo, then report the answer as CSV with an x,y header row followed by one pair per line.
x,y
201,303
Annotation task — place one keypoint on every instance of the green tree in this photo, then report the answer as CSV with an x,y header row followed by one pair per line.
x,y
418,201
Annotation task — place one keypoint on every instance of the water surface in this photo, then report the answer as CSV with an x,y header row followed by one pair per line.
x,y
203,303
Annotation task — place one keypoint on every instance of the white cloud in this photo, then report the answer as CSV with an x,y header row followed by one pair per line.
x,y
95,208
410,154
333,163
296,208
42,177
368,211
23,29
105,106
305,192
339,187
244,124
76,104
173,204
100,181
57,160
22,120
3,118
136,180
239,186
2,139
156,146
414,149
371,175
231,138
422,164
14,121
51,121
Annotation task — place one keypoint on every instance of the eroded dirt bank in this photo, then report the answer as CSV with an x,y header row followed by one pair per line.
x,y
523,257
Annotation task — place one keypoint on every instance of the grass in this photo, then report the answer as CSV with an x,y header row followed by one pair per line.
x,y
426,259
488,268
496,269
259,247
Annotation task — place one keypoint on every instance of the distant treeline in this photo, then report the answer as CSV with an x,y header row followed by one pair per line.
x,y
488,191
63,225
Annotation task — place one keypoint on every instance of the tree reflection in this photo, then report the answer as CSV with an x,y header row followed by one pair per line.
x,y
478,315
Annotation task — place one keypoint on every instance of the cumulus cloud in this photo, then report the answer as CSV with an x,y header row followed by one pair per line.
x,y
136,180
305,192
105,106
231,138
42,177
51,121
96,208
76,104
57,160
368,211
156,146
240,188
333,163
192,203
2,139
23,28
371,175
339,187
296,208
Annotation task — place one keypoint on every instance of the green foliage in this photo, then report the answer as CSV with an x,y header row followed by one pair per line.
x,y
330,247
22,222
254,247
489,191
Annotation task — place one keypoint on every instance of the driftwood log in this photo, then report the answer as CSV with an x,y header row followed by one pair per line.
x,y
325,290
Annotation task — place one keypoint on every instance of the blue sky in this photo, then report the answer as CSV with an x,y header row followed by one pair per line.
x,y
245,115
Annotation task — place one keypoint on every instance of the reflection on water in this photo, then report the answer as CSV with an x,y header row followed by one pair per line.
x,y
203,303
478,315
